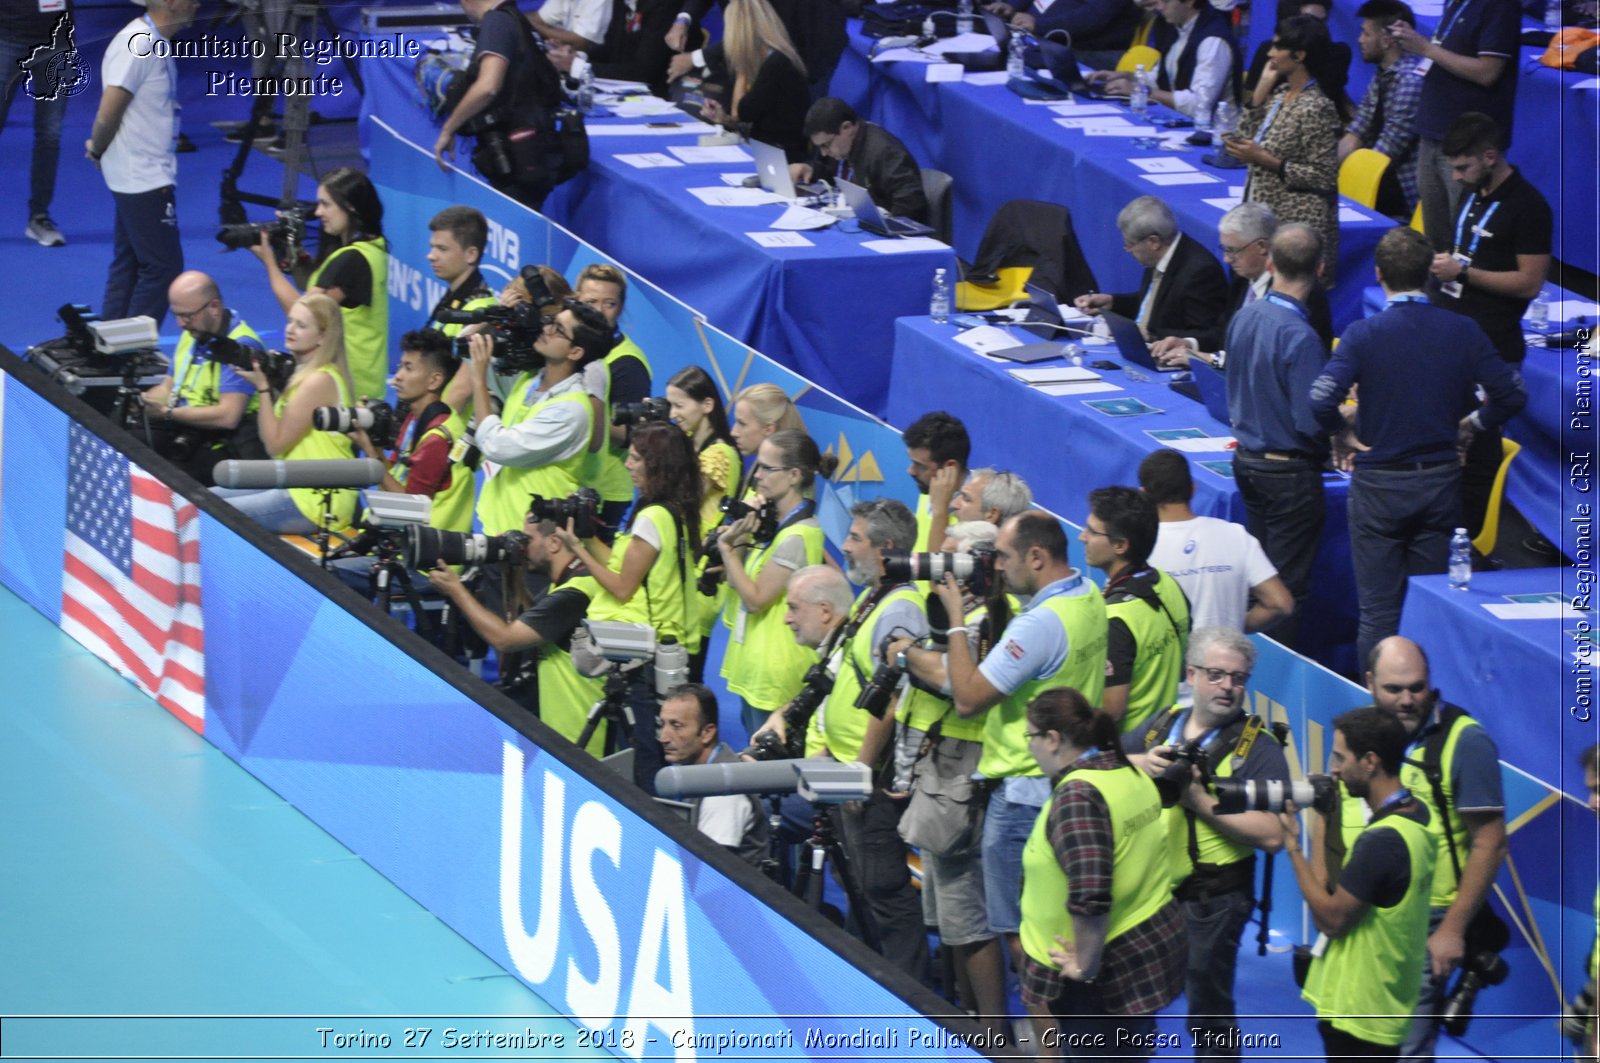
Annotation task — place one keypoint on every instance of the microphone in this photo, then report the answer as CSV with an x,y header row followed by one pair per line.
x,y
319,472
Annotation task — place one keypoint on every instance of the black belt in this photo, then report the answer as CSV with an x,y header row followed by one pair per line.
x,y
1406,466
1277,455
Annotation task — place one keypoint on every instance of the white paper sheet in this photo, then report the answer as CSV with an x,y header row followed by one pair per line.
x,y
722,196
938,72
803,218
1098,121
720,153
772,239
665,129
1084,387
1237,192
987,338
644,106
1590,83
1061,374
1121,131
648,160
735,180
1191,177
1221,203
1208,445
905,246
963,42
1533,610
1085,110
1349,213
904,55
987,77
620,87
1163,165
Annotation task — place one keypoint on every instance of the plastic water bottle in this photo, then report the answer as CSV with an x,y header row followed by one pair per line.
x,y
1139,101
1539,313
1460,560
939,305
1552,16
964,16
928,29
672,665
1075,355
1016,69
586,89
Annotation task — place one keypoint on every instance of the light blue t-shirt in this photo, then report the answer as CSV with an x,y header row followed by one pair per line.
x,y
1035,643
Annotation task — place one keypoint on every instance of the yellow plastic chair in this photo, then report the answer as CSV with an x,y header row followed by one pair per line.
x,y
1360,175
1139,55
1416,217
1003,292
1485,542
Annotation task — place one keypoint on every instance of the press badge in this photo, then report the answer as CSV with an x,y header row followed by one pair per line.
x,y
51,7
1453,289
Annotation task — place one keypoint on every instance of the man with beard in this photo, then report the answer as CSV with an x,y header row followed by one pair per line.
x,y
937,447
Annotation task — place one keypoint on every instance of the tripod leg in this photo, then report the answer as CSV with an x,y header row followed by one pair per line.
x,y
860,910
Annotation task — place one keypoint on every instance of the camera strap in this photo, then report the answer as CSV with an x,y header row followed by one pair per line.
x,y
1432,756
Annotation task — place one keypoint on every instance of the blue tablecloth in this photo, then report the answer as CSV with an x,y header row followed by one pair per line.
x,y
825,311
997,148
1517,676
1065,449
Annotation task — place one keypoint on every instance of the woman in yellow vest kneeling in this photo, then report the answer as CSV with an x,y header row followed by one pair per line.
x,y
1104,941
314,334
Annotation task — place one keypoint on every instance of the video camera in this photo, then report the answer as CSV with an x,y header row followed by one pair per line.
x,y
377,419
974,569
645,411
601,647
97,353
514,329
582,509
286,235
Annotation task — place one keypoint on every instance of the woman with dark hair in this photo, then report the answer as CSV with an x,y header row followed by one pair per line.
x,y
650,566
1103,939
1291,140
763,664
352,269
696,407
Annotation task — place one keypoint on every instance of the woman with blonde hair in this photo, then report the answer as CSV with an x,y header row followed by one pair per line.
x,y
769,96
314,334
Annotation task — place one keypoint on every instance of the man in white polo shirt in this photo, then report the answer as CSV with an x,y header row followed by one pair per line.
x,y
133,140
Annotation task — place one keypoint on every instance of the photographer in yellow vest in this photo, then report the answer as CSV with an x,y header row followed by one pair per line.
x,y
352,269
1103,939
1363,979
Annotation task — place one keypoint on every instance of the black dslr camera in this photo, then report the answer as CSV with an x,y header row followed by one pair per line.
x,y
814,690
277,365
377,419
733,510
1482,966
286,234
974,570
582,509
878,691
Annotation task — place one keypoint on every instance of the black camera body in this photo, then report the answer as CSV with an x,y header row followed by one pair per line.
x,y
879,690
377,419
1481,967
277,365
514,329
646,411
286,234
582,509
974,569
766,517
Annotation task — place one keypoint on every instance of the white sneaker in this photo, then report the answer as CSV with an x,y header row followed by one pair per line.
x,y
43,231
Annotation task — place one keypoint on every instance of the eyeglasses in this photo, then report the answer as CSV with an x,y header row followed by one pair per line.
x,y
552,325
1096,531
184,315
1217,675
761,468
1235,252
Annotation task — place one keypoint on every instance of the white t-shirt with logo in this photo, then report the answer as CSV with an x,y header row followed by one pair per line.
x,y
1216,562
142,157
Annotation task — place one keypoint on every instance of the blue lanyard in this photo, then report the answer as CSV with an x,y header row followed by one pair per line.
x,y
1394,800
1452,17
1272,115
1477,230
1066,586
1396,300
1290,304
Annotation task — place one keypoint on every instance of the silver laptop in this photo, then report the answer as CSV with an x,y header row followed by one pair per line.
x,y
772,166
873,218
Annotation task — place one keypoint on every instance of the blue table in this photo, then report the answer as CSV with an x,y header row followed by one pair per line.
x,y
825,311
1516,675
997,148
1065,449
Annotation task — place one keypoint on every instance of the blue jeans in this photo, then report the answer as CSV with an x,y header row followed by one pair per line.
x,y
272,508
1215,925
1400,526
47,118
146,255
1284,510
1424,1032
1006,827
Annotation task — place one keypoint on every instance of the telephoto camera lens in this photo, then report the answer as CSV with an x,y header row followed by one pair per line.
x,y
426,547
1320,792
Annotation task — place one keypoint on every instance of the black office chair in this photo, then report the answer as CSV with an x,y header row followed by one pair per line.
x,y
938,189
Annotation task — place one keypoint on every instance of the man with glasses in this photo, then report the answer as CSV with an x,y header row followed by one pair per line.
x,y
540,439
205,411
1214,856
1469,830
1182,290
1243,235
862,153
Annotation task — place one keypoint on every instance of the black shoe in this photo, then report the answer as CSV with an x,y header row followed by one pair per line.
x,y
265,131
185,145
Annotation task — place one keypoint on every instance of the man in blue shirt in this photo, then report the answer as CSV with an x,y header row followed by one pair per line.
x,y
1273,356
1416,366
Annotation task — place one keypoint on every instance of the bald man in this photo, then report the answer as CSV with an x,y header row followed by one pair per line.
x,y
1468,774
198,415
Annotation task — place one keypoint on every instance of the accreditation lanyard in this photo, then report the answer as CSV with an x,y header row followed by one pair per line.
x,y
1289,304
1398,300
1272,115
1477,229
1392,802
1450,19
1065,586
1175,735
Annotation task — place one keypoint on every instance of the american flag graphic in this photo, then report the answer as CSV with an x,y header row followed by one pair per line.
x,y
131,590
